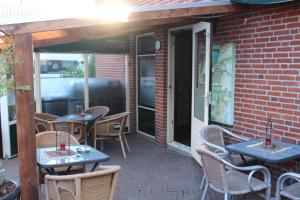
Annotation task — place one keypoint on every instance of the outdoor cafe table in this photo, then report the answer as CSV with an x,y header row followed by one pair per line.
x,y
89,119
287,152
44,160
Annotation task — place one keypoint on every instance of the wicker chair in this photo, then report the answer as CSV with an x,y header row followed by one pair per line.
x,y
41,121
75,128
292,191
48,139
98,109
112,127
225,178
92,186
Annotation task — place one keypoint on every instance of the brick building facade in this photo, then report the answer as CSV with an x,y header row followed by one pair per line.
x,y
267,77
267,71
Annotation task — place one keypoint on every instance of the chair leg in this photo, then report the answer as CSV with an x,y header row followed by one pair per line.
x,y
125,140
122,146
226,196
204,192
278,196
95,143
268,194
203,182
102,145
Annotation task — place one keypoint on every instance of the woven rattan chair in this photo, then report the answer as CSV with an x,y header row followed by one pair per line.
x,y
291,191
75,128
98,185
41,121
98,109
228,179
112,127
48,139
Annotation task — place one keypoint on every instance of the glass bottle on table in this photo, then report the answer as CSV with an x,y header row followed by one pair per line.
x,y
268,139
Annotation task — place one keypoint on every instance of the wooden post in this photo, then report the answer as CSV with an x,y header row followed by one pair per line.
x,y
25,119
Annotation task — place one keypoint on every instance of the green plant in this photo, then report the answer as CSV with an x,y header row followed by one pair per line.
x,y
7,63
91,65
76,72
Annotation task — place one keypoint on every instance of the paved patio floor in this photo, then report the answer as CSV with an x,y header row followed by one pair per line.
x,y
150,172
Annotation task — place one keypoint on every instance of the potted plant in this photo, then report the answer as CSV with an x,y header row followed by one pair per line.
x,y
9,189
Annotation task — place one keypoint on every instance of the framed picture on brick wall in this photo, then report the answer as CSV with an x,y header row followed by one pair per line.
x,y
223,78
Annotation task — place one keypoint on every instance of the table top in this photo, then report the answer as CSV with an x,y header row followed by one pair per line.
x,y
292,151
93,156
85,118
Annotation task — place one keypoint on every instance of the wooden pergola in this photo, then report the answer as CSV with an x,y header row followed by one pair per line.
x,y
25,36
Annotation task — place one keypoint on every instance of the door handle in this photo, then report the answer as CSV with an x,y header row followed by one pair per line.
x,y
207,98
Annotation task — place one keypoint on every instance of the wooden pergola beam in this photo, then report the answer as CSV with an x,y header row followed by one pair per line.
x,y
47,38
186,12
25,119
141,16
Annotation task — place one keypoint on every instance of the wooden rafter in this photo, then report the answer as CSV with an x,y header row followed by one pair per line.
x,y
78,34
134,17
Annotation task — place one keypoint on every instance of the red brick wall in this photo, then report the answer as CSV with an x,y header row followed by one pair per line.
x,y
110,66
161,82
267,69
132,82
267,81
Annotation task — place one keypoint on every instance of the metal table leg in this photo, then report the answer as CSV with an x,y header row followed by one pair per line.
x,y
94,166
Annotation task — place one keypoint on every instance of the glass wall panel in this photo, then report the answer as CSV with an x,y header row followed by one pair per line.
x,y
146,45
146,84
146,122
104,90
199,93
146,81
62,84
11,100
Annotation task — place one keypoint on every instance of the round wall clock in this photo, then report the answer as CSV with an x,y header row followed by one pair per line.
x,y
157,45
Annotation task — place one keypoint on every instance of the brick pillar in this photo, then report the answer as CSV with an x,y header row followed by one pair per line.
x,y
132,82
161,81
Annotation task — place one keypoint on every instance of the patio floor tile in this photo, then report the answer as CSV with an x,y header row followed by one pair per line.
x,y
150,172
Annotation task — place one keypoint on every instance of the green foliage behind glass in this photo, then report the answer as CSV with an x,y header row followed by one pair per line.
x,y
7,63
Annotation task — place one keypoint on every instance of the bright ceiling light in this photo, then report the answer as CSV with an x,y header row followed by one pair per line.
x,y
113,11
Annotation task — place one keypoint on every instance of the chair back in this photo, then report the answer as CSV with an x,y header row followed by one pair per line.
x,y
75,128
93,185
48,139
98,109
214,170
41,121
213,134
111,125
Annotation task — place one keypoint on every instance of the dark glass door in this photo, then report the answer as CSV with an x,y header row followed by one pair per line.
x,y
146,84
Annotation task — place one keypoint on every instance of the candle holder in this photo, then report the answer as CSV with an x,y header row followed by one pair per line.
x,y
62,142
79,110
268,136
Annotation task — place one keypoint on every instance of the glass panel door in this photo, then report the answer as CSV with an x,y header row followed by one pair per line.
x,y
146,84
199,76
200,92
